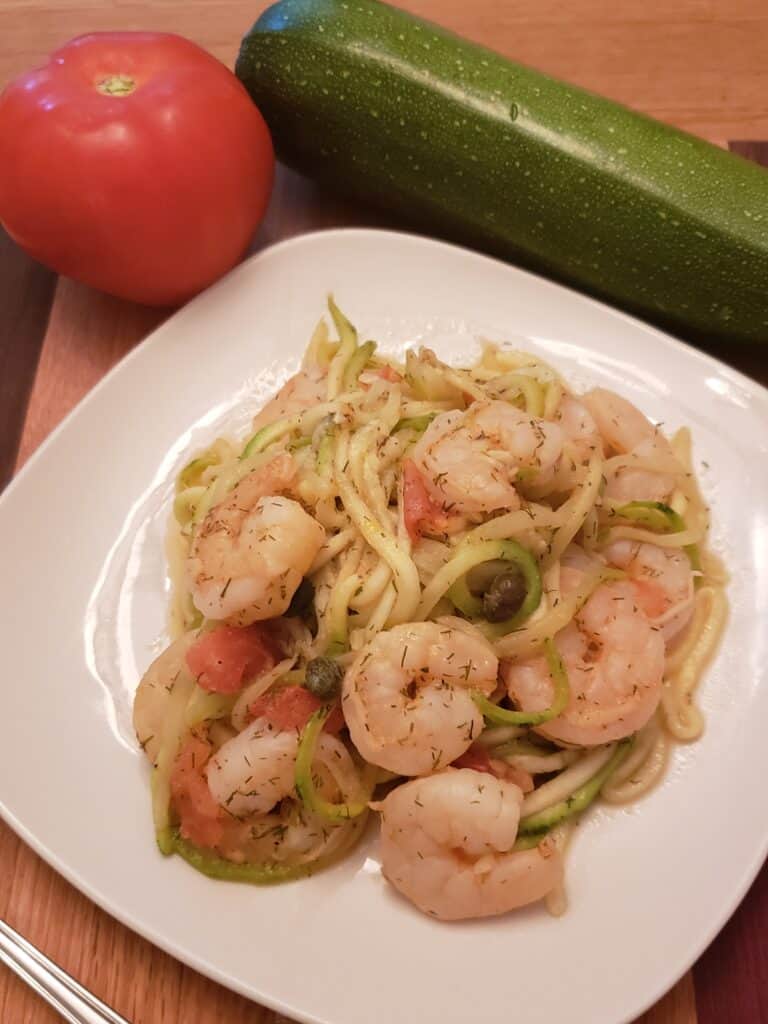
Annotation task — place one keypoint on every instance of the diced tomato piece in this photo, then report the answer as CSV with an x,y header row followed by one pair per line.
x,y
476,758
200,817
225,658
291,708
421,513
512,773
335,722
388,373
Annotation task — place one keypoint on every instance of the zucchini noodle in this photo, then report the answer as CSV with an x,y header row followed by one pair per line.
x,y
527,640
320,349
471,554
511,385
556,901
575,510
500,716
404,573
379,617
205,707
578,798
354,805
513,524
174,728
468,509
652,463
567,782
338,635
372,588
537,763
553,396
684,667
256,689
663,540
332,548
344,353
496,736
642,768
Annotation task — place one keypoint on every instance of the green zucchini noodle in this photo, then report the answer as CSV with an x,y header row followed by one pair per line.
x,y
567,781
487,503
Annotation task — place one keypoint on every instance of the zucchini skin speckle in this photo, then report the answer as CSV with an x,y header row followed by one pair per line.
x,y
396,111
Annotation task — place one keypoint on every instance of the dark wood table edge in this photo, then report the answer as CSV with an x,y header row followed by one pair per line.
x,y
26,297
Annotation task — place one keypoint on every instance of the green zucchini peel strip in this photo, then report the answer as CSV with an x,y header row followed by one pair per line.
x,y
305,784
502,716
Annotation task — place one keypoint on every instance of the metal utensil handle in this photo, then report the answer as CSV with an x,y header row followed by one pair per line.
x,y
75,1003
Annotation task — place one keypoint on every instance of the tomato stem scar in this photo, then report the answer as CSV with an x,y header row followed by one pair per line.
x,y
116,85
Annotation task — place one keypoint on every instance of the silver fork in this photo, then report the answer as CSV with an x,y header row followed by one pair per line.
x,y
75,1003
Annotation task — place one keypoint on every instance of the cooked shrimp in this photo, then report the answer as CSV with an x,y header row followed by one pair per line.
x,y
252,550
240,800
578,426
301,391
447,845
471,460
614,659
581,439
626,431
621,424
631,484
254,770
406,696
151,701
662,579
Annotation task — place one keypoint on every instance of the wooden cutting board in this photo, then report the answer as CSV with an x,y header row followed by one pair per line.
x,y
698,63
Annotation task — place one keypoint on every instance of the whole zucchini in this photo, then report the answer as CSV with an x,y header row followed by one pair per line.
x,y
396,111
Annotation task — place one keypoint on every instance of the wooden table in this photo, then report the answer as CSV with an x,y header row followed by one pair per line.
x,y
700,64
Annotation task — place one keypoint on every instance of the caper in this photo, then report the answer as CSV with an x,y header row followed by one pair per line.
x,y
504,596
480,577
323,677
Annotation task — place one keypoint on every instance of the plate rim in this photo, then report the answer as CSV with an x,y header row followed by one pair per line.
x,y
754,388
760,390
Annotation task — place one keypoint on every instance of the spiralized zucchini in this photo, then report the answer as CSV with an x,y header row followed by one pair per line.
x,y
495,715
397,550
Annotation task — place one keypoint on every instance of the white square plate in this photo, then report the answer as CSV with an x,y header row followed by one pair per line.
x,y
82,606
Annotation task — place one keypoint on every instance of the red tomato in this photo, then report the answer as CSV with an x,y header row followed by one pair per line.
x,y
520,777
135,162
291,708
200,819
475,758
420,512
479,760
225,658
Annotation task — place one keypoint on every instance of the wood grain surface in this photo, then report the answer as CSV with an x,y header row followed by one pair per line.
x,y
26,292
700,64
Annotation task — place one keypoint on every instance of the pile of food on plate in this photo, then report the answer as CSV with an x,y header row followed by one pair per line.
x,y
466,599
